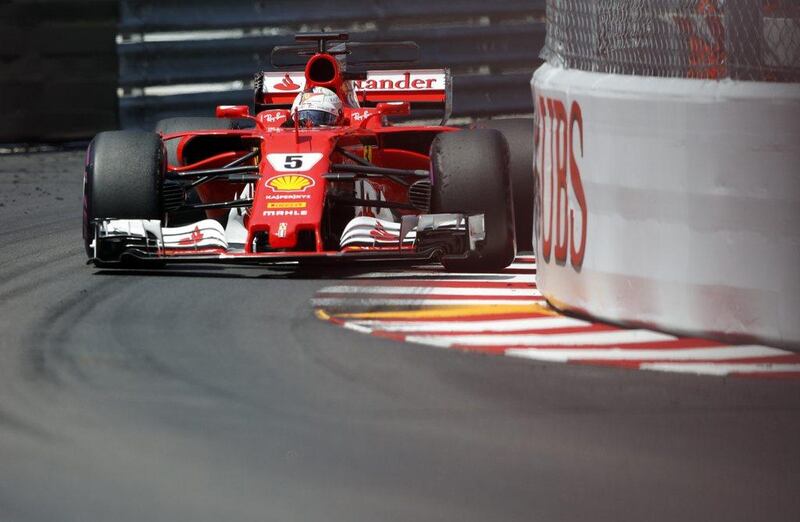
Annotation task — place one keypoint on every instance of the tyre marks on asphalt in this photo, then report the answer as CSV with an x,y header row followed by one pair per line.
x,y
505,314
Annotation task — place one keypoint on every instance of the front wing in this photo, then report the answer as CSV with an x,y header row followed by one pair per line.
x,y
420,238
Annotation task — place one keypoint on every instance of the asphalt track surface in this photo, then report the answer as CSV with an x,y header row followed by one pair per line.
x,y
213,394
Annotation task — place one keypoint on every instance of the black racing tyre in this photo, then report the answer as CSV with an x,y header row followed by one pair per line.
x,y
470,175
191,123
519,135
123,178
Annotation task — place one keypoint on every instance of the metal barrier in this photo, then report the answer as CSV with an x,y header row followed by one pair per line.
x,y
492,48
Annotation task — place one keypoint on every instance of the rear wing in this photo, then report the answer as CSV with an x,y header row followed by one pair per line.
x,y
422,88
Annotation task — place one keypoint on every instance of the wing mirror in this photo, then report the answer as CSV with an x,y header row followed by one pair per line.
x,y
394,108
233,111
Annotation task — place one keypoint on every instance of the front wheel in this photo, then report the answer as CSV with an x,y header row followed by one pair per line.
x,y
471,176
123,179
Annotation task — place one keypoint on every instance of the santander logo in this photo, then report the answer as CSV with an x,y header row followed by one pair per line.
x,y
286,84
400,81
413,80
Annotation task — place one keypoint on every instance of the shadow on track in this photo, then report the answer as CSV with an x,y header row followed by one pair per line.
x,y
315,272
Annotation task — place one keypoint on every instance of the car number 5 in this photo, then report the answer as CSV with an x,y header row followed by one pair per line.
x,y
293,162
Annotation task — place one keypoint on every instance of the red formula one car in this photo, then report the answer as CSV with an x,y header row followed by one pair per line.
x,y
317,174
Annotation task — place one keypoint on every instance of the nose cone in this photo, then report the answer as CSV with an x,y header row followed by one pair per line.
x,y
290,197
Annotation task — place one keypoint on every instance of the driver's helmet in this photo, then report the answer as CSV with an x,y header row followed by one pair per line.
x,y
319,106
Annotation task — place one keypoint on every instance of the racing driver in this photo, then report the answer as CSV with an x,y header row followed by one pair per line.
x,y
317,107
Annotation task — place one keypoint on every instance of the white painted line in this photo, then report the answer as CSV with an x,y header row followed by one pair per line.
x,y
428,290
361,301
191,88
357,328
524,266
184,36
618,354
720,368
572,339
497,325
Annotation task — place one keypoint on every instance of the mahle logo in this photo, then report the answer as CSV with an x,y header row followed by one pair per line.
x,y
290,183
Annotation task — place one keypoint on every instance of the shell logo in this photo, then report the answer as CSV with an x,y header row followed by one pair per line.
x,y
290,183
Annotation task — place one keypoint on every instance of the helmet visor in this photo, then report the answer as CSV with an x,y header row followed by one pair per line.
x,y
314,118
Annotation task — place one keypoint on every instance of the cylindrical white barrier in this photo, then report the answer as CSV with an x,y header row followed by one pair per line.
x,y
672,203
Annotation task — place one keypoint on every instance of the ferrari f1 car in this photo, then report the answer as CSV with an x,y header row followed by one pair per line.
x,y
274,187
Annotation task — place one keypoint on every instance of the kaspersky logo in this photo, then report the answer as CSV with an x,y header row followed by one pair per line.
x,y
290,183
286,84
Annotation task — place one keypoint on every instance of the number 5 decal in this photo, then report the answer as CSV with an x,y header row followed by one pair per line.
x,y
293,162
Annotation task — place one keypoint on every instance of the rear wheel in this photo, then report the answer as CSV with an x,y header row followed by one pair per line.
x,y
519,135
123,179
470,176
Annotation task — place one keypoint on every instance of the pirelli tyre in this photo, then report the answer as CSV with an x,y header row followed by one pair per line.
x,y
470,175
123,179
519,135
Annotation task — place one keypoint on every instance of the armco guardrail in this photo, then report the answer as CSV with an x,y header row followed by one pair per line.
x,y
174,15
492,49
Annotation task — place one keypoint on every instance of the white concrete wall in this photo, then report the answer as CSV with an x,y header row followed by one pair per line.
x,y
690,191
